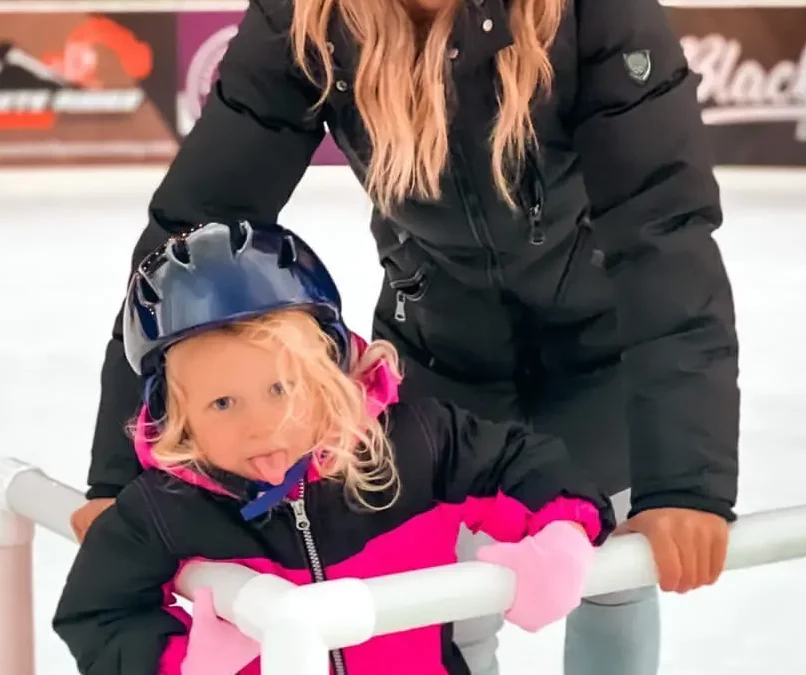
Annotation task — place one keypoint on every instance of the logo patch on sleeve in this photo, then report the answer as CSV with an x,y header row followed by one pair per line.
x,y
638,65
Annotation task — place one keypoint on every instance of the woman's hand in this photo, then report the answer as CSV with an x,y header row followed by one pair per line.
x,y
689,546
82,518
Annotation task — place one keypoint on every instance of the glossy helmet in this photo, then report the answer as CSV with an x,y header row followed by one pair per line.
x,y
217,274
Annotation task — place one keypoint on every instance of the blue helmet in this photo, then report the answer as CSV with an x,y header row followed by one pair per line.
x,y
217,274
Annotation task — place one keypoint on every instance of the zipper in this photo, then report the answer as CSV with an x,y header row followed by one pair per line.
x,y
417,284
534,201
303,524
474,216
581,236
400,306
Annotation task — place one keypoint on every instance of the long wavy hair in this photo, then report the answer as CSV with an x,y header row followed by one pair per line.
x,y
401,87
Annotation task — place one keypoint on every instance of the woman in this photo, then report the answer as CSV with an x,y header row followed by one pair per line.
x,y
544,211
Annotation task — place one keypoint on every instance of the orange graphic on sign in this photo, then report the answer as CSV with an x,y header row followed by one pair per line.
x,y
78,62
27,121
77,68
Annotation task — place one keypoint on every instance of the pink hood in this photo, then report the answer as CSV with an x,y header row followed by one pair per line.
x,y
382,391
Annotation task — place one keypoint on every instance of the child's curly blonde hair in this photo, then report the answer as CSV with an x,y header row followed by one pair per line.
x,y
351,443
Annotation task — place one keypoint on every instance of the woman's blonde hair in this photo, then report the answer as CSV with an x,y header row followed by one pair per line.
x,y
351,443
402,81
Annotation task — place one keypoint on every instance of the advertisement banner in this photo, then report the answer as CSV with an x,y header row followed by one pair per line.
x,y
753,91
125,87
80,88
202,39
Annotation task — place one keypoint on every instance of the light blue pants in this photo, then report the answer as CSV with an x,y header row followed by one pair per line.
x,y
614,634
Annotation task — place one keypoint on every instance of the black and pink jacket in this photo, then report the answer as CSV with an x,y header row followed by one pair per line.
x,y
118,615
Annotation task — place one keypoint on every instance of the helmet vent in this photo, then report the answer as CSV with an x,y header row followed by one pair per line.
x,y
146,293
180,252
240,236
288,252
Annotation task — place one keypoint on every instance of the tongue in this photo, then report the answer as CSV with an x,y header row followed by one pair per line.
x,y
272,467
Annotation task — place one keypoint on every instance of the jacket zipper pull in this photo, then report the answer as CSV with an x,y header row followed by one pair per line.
x,y
536,217
400,307
536,212
300,517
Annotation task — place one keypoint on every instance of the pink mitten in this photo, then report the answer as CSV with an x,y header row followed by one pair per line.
x,y
551,569
215,646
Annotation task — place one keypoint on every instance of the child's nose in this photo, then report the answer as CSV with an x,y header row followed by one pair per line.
x,y
261,424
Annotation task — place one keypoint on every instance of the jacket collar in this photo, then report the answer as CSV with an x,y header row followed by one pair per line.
x,y
480,31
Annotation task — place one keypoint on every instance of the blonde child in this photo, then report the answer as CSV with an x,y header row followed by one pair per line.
x,y
272,436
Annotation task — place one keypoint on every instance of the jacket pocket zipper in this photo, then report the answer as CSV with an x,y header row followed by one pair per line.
x,y
534,200
581,236
412,288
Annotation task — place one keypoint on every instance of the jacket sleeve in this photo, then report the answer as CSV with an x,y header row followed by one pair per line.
x,y
509,480
654,205
111,613
242,160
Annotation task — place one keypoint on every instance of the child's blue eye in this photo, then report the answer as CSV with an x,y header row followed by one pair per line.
x,y
277,389
223,403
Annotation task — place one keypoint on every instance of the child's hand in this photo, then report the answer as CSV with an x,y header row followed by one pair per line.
x,y
551,569
215,646
82,518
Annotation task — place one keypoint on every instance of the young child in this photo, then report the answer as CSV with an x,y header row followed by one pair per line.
x,y
271,436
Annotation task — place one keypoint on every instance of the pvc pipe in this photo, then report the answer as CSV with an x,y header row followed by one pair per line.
x,y
471,589
293,648
342,616
625,562
27,491
461,591
16,595
343,612
227,581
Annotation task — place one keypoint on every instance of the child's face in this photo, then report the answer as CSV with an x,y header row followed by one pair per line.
x,y
235,407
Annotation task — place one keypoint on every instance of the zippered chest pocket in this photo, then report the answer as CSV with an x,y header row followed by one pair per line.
x,y
413,285
408,268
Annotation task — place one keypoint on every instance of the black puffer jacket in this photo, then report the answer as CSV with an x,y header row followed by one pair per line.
x,y
453,469
605,293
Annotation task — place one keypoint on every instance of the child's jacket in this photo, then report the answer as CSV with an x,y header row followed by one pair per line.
x,y
115,613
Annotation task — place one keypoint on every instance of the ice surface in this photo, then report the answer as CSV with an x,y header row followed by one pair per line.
x,y
65,243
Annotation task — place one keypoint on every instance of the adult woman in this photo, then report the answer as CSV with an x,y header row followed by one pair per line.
x,y
572,281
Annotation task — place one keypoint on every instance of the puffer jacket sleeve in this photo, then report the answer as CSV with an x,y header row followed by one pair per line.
x,y
509,481
654,205
112,613
242,160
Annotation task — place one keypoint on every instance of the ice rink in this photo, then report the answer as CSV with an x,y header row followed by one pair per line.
x,y
65,243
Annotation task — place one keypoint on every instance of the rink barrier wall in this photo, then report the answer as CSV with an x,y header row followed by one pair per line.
x,y
297,625
135,74
336,183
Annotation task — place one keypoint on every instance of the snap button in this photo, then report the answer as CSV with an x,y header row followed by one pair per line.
x,y
453,52
487,25
330,47
341,85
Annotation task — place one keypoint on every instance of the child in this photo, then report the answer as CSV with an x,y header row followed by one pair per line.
x,y
271,436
